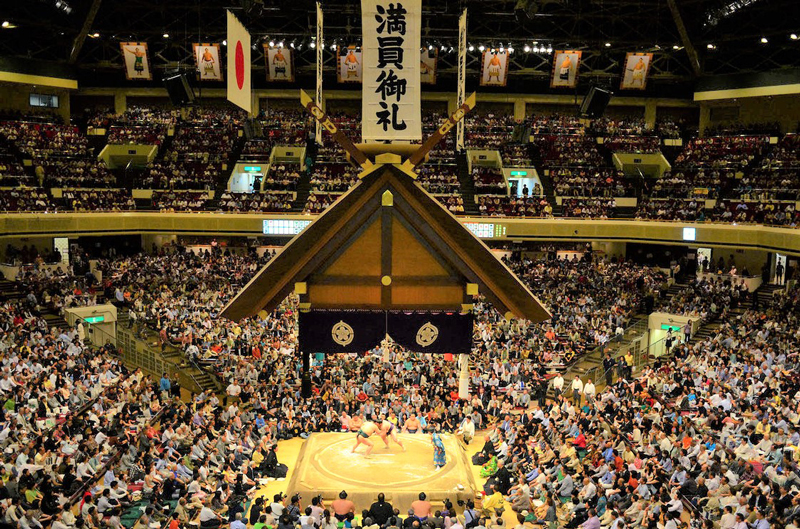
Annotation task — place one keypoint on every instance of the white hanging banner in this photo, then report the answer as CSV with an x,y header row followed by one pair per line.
x,y
391,105
239,92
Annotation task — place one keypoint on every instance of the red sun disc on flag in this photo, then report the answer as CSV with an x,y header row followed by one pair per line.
x,y
239,65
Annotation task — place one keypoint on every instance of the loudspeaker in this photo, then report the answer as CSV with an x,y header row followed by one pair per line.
x,y
179,90
595,102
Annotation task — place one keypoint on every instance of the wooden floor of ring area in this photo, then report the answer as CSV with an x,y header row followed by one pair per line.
x,y
289,451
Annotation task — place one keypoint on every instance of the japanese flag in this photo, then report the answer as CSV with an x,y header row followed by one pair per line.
x,y
239,92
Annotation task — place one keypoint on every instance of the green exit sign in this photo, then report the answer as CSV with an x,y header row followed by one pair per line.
x,y
252,168
665,327
519,173
95,319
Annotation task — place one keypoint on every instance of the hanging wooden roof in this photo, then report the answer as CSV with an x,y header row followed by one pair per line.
x,y
386,244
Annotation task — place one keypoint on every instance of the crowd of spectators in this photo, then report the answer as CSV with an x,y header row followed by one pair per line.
x,y
568,151
333,177
633,144
595,208
590,182
439,179
773,213
282,176
87,200
745,129
318,202
619,127
73,172
705,435
180,175
488,180
688,209
516,155
275,201
488,131
137,134
708,298
26,199
171,200
453,203
43,140
513,206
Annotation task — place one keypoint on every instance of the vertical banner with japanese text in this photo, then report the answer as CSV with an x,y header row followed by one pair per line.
x,y
391,105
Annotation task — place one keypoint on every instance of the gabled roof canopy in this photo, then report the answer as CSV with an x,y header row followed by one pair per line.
x,y
386,244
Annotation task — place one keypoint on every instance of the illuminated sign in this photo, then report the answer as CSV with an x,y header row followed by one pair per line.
x,y
252,168
95,319
519,173
665,327
486,230
689,234
284,227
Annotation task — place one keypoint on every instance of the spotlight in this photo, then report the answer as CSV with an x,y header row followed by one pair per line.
x,y
764,40
481,47
225,42
608,44
793,36
444,49
549,49
527,49
510,49
6,23
292,45
471,48
272,44
430,47
280,44
333,47
536,49
676,47
502,49
711,46
165,35
313,44
95,35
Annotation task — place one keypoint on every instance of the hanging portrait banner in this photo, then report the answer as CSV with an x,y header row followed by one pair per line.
x,y
137,63
391,103
494,68
280,64
427,65
565,69
637,66
209,67
350,65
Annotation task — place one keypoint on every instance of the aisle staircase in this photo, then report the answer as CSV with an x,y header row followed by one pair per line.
x,y
205,379
467,185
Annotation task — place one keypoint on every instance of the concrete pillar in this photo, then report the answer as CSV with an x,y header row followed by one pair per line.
x,y
463,377
650,111
519,110
705,118
120,103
